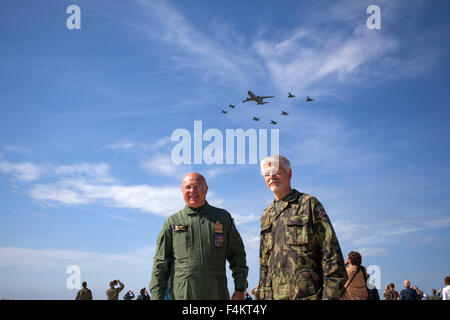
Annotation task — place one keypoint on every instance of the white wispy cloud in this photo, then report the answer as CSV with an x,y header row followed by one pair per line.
x,y
22,171
25,257
157,200
372,232
161,165
96,172
122,145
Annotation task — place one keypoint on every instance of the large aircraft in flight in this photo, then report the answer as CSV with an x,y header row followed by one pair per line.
x,y
257,99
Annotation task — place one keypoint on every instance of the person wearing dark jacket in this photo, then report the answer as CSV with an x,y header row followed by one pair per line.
x,y
408,293
143,295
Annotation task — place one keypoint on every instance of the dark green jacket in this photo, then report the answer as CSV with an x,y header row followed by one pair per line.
x,y
300,256
192,252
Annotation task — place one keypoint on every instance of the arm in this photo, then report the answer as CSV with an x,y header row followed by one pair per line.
x,y
121,285
235,254
161,263
264,287
333,266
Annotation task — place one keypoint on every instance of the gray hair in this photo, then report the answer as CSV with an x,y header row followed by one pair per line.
x,y
276,159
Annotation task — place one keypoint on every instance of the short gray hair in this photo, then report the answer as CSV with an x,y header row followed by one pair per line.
x,y
276,158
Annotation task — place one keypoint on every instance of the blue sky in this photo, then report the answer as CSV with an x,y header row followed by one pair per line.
x,y
86,118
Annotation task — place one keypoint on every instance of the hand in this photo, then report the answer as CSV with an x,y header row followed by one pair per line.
x,y
237,295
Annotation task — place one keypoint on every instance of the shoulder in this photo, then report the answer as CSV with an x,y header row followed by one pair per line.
x,y
174,218
221,214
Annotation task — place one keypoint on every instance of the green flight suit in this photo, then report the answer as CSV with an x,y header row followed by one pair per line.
x,y
300,256
192,249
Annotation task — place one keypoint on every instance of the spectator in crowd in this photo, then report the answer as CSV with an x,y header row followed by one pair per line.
x,y
255,292
113,293
143,295
408,293
84,293
390,293
418,291
355,287
446,290
434,296
129,295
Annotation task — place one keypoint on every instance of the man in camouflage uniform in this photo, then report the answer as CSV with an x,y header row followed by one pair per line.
x,y
113,293
84,293
300,256
192,249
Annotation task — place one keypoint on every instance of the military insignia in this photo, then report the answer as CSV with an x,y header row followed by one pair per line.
x,y
218,234
267,222
218,240
180,228
324,214
218,228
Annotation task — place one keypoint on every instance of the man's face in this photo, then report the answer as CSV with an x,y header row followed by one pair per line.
x,y
276,177
194,191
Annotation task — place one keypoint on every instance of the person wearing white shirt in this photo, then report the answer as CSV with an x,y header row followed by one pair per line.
x,y
446,290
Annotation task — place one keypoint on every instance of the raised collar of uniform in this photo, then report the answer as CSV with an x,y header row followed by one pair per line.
x,y
190,211
278,206
291,197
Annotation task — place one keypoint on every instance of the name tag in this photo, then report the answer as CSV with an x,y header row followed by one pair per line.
x,y
180,228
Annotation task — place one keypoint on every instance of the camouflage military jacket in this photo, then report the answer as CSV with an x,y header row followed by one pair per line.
x,y
192,250
300,256
113,293
84,294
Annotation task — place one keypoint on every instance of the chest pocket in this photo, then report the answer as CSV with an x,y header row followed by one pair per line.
x,y
266,237
297,231
182,243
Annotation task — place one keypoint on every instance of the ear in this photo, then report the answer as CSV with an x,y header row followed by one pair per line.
x,y
290,173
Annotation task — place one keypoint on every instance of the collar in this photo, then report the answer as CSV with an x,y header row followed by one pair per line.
x,y
277,206
190,211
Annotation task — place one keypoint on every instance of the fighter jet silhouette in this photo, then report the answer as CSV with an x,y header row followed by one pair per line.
x,y
283,113
257,99
224,112
255,119
308,99
290,95
231,106
273,122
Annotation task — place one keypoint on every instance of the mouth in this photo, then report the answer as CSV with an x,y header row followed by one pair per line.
x,y
276,182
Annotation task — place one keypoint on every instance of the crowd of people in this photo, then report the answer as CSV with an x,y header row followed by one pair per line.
x,y
355,289
300,256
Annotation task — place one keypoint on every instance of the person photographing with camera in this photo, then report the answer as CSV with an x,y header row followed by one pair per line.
x,y
113,293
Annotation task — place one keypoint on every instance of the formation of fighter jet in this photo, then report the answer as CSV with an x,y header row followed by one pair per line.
x,y
260,101
257,99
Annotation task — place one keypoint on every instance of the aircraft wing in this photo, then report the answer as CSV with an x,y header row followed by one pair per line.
x,y
266,97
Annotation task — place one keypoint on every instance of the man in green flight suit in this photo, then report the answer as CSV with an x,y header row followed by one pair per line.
x,y
300,256
192,249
